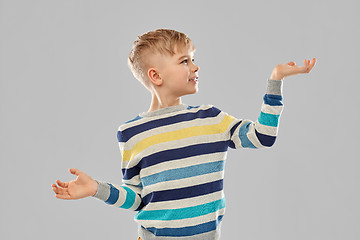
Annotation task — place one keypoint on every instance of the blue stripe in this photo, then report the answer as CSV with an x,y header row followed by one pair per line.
x,y
114,195
174,154
187,231
265,140
273,100
269,119
136,118
181,213
190,107
182,193
245,142
185,172
130,198
130,132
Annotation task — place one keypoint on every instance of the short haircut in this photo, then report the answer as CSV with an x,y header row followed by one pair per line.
x,y
160,41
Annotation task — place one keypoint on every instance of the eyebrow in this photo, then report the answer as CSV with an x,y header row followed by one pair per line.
x,y
184,56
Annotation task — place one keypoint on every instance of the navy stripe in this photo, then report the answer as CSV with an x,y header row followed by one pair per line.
x,y
265,140
232,144
187,231
174,154
140,207
130,132
232,130
114,195
182,193
129,173
273,100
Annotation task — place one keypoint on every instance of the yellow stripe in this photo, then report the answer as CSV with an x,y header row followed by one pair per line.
x,y
176,135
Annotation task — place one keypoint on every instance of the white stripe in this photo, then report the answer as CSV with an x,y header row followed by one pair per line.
x,y
267,130
133,181
183,222
276,110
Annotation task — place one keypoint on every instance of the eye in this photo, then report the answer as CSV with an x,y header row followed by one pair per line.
x,y
185,61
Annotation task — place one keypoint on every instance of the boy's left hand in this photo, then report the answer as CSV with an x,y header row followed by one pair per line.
x,y
284,70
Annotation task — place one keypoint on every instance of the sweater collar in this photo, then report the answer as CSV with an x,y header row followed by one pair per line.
x,y
165,110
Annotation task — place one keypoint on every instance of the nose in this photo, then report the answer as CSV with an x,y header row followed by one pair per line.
x,y
196,68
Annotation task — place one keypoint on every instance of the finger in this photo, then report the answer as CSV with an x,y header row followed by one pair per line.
x,y
311,64
62,184
75,171
59,191
55,188
64,197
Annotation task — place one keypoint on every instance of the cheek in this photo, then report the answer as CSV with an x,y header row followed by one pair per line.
x,y
185,73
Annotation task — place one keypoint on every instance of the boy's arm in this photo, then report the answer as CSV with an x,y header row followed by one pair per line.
x,y
125,196
263,132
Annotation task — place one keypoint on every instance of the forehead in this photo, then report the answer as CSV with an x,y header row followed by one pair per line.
x,y
184,50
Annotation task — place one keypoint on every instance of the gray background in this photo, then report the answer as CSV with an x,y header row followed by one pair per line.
x,y
65,88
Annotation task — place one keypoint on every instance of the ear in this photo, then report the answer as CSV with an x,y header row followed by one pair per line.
x,y
154,76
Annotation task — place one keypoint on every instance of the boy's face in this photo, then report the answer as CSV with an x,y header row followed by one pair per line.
x,y
178,73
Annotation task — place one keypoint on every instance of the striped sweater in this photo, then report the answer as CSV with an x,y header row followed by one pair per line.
x,y
173,165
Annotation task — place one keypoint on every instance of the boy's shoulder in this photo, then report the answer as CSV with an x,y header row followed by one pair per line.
x,y
189,110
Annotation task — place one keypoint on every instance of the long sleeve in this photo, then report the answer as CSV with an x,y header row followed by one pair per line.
x,y
262,132
125,196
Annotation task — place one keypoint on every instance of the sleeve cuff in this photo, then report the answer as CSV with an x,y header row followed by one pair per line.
x,y
274,87
103,191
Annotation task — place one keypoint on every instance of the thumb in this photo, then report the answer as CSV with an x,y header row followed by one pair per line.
x,y
75,171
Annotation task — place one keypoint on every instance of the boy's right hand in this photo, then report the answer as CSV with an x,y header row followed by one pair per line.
x,y
83,186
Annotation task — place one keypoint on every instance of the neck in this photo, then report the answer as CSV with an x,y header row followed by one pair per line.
x,y
157,102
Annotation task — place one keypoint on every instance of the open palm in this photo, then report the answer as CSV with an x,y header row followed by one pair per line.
x,y
285,70
83,186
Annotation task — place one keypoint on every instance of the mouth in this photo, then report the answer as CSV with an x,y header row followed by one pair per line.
x,y
195,79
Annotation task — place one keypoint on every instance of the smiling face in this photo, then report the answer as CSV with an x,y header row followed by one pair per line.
x,y
178,74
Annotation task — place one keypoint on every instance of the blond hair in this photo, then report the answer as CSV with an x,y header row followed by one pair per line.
x,y
160,41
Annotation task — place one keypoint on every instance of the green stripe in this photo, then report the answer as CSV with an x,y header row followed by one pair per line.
x,y
130,198
269,119
181,213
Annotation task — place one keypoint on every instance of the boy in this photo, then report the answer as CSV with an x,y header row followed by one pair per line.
x,y
173,155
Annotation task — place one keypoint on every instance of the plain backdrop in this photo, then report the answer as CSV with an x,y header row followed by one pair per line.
x,y
65,88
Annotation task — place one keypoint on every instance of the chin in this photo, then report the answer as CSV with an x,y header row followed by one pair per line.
x,y
193,92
